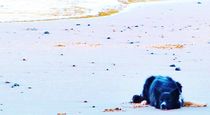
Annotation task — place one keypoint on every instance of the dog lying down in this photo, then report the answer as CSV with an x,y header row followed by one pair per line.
x,y
162,93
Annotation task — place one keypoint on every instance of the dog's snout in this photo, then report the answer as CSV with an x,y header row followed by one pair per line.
x,y
163,105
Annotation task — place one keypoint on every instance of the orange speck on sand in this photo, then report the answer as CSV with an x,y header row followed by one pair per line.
x,y
191,104
86,45
61,114
60,45
113,110
107,12
169,46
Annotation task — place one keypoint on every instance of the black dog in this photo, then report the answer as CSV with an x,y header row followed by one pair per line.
x,y
161,92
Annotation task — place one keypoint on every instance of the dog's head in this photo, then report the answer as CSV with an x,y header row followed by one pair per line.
x,y
170,100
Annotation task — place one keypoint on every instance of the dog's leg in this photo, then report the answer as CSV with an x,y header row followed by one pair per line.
x,y
192,104
146,88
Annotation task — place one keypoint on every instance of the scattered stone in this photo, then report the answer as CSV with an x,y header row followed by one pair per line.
x,y
177,69
108,38
172,65
113,110
7,82
78,24
24,59
46,32
152,53
93,106
29,87
73,65
107,69
15,85
199,2
85,101
88,24
131,42
136,26
61,54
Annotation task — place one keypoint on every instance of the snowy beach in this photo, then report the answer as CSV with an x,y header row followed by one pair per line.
x,y
84,66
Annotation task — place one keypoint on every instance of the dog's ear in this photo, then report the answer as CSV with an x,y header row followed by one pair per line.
x,y
179,86
175,93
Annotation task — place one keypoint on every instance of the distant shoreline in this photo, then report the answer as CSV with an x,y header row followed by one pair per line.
x,y
31,15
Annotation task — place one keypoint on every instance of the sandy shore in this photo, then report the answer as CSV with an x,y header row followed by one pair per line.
x,y
84,66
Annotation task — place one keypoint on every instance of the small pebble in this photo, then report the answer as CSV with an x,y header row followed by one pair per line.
x,y
15,85
172,65
29,87
131,42
199,2
88,24
24,59
93,106
73,65
78,24
177,69
46,32
85,101
108,38
7,82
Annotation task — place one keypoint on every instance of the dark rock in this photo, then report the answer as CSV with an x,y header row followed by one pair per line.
x,y
199,2
15,85
131,42
7,82
172,65
46,32
177,69
108,38
29,87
